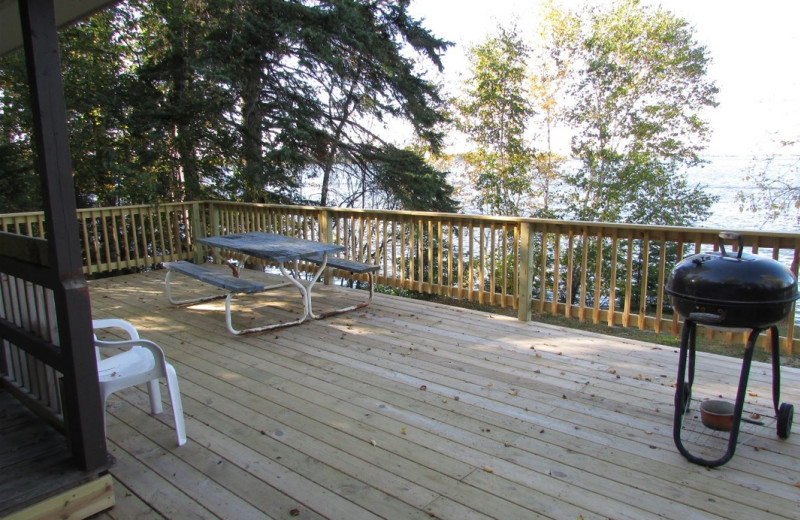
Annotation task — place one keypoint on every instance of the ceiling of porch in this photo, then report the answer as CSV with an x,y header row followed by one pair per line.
x,y
67,11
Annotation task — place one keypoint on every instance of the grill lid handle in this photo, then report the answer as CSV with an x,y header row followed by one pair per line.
x,y
730,236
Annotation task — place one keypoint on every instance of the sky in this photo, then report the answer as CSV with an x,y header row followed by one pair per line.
x,y
753,45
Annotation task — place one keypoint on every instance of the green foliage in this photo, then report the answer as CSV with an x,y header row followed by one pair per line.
x,y
97,115
494,114
19,185
639,88
410,181
171,100
364,80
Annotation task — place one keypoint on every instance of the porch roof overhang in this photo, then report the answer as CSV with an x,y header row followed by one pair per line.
x,y
67,11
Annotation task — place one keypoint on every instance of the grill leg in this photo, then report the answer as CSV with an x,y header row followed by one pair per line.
x,y
688,354
682,387
776,368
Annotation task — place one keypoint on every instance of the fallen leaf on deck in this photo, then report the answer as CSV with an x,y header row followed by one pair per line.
x,y
513,392
487,469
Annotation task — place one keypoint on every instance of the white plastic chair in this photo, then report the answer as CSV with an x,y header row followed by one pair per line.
x,y
144,362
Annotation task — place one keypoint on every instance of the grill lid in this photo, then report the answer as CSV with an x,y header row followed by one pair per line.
x,y
740,279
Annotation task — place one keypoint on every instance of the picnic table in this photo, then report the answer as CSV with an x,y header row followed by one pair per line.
x,y
283,251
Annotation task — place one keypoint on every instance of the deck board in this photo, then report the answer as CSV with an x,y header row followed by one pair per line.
x,y
409,409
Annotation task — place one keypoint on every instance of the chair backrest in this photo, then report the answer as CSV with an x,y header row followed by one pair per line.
x,y
114,323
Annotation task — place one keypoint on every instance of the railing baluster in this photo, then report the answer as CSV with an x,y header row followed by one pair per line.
x,y
542,269
570,273
626,313
598,276
644,278
584,267
612,281
662,269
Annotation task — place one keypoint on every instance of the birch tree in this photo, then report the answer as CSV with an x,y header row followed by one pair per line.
x,y
639,91
495,113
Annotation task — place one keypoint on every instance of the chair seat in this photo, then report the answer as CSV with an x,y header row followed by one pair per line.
x,y
131,363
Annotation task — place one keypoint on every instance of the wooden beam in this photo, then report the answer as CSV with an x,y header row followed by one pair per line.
x,y
81,502
27,249
81,398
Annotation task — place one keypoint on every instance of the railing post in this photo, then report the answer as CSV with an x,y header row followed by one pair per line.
x,y
214,220
83,411
214,224
326,235
197,231
525,271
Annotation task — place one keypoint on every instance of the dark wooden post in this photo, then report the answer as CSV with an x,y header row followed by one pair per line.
x,y
83,411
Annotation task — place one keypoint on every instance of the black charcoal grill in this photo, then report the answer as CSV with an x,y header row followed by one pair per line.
x,y
730,291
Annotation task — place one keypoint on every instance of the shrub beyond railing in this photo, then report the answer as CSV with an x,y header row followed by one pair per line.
x,y
606,273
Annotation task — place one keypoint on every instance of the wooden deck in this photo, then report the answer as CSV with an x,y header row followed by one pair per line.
x,y
408,409
37,475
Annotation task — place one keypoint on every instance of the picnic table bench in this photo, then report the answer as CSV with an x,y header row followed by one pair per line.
x,y
227,282
351,266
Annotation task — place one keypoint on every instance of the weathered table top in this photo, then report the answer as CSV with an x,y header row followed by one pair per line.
x,y
276,248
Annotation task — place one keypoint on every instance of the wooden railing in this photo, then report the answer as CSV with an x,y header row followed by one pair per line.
x,y
124,237
611,274
47,357
28,306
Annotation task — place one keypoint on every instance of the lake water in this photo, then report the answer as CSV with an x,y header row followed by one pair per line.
x,y
724,176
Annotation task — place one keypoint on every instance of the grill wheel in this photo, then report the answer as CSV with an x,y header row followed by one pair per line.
x,y
785,416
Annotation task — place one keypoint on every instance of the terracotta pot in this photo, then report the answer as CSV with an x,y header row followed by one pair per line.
x,y
717,415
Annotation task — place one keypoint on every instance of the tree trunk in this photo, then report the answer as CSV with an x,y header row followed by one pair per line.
x,y
252,140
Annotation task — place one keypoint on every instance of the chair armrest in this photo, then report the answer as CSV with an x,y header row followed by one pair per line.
x,y
115,323
158,354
